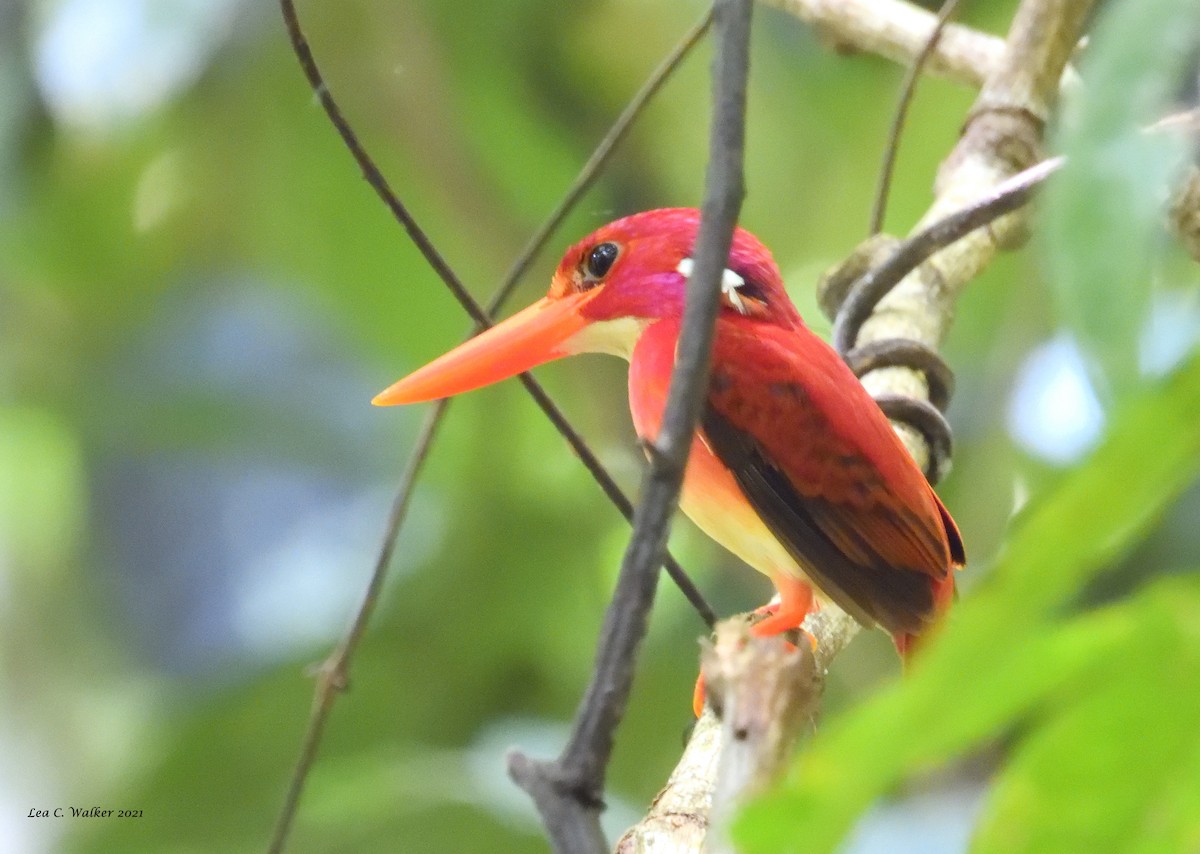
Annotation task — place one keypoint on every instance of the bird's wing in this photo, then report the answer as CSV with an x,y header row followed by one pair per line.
x,y
821,465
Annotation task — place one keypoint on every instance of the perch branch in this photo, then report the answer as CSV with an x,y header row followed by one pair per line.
x,y
568,791
769,697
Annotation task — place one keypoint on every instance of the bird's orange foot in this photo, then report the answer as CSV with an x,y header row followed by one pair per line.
x,y
698,696
774,619
779,617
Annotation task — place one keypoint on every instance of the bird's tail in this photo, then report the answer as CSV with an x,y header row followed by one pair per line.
x,y
943,591
907,643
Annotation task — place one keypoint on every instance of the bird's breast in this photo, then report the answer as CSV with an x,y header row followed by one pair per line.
x,y
710,496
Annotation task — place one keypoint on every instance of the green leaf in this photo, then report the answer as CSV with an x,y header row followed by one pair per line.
x,y
1001,641
1104,215
858,758
1111,770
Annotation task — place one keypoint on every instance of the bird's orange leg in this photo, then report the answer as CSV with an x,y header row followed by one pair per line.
x,y
795,602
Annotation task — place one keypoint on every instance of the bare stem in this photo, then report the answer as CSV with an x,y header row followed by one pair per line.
x,y
877,282
334,673
1002,137
568,790
892,148
600,156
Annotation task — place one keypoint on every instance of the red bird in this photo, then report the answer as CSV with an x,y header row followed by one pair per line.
x,y
794,468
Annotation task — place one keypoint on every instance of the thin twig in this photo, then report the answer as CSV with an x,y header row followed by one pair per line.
x,y
587,174
614,492
875,284
333,673
383,189
583,181
370,171
892,148
568,791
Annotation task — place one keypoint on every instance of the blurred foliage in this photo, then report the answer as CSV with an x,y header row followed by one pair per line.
x,y
1112,198
198,297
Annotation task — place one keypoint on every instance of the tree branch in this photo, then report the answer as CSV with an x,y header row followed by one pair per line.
x,y
1001,138
769,697
568,791
899,31
864,293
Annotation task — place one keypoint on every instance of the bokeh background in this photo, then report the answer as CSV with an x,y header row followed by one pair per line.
x,y
198,298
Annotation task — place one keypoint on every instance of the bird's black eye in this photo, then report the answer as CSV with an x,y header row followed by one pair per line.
x,y
600,260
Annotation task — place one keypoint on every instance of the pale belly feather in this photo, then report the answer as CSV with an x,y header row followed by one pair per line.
x,y
712,499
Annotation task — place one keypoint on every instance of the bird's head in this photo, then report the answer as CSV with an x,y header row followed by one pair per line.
x,y
607,289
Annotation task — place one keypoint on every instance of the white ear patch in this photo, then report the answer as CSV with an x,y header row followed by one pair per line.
x,y
730,282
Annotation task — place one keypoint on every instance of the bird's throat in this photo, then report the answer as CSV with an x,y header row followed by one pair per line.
x,y
615,337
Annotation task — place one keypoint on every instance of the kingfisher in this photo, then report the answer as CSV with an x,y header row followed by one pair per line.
x,y
793,467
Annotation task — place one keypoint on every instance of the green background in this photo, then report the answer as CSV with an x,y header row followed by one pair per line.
x,y
199,296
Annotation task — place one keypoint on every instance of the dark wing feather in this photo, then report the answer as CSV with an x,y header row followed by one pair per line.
x,y
821,465
840,560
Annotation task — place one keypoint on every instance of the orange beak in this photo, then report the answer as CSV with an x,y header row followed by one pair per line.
x,y
527,339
